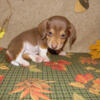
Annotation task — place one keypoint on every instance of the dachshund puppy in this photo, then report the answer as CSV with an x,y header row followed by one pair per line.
x,y
51,33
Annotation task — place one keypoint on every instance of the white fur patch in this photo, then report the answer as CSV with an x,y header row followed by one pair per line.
x,y
62,53
36,53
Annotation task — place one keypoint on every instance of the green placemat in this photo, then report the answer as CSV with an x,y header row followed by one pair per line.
x,y
61,88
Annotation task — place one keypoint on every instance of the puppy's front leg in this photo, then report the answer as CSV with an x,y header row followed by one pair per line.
x,y
43,54
62,53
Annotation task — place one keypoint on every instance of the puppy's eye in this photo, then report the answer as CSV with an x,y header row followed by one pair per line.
x,y
50,33
63,36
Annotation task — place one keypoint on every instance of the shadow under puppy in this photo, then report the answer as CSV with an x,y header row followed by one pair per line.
x,y
51,33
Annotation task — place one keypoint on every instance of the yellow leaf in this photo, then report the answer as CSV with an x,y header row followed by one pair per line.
x,y
2,32
77,84
95,56
79,7
4,67
98,42
93,46
90,68
98,70
93,52
35,70
77,97
94,91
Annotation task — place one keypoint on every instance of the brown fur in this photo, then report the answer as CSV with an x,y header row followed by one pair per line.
x,y
58,25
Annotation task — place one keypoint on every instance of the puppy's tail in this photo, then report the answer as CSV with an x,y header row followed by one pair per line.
x,y
9,57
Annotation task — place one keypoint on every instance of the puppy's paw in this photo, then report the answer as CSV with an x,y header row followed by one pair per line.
x,y
24,62
62,53
14,63
46,59
38,59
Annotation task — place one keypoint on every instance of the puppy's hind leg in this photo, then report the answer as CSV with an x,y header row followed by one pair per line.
x,y
34,57
20,61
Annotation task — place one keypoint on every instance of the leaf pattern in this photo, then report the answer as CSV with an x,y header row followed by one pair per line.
x,y
77,84
3,67
25,93
95,50
97,70
1,48
1,78
87,60
59,65
33,68
89,68
34,87
77,97
84,78
69,55
82,81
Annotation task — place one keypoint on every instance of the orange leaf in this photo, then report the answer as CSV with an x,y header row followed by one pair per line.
x,y
64,62
41,95
94,91
20,84
25,93
18,89
41,90
37,85
89,76
50,63
97,81
33,96
77,84
81,78
45,86
50,81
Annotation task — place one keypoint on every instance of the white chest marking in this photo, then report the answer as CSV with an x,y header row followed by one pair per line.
x,y
28,47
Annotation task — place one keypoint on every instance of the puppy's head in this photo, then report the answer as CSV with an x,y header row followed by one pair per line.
x,y
57,30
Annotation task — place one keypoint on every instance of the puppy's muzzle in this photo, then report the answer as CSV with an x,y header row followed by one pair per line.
x,y
54,46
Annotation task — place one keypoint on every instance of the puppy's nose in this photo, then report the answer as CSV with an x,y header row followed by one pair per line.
x,y
54,46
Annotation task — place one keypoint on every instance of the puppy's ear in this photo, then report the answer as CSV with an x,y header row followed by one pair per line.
x,y
43,28
72,34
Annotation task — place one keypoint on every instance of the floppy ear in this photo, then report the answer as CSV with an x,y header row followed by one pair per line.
x,y
72,35
43,28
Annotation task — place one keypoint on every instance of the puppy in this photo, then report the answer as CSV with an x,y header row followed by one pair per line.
x,y
51,33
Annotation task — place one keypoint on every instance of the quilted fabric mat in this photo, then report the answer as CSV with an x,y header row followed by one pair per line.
x,y
74,77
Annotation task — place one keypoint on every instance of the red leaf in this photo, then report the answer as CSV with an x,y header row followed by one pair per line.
x,y
1,78
63,62
50,63
1,48
81,78
89,77
59,67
